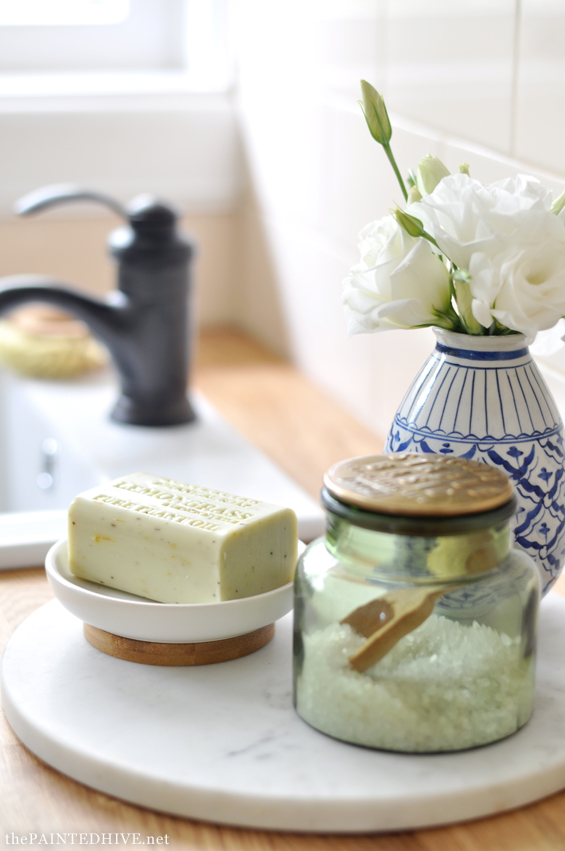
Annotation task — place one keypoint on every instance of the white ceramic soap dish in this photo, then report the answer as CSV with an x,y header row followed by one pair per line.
x,y
140,630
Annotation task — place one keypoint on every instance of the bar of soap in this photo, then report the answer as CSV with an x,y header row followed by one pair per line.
x,y
180,543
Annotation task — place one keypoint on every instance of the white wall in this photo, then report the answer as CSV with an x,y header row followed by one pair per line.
x,y
72,248
178,144
480,81
474,80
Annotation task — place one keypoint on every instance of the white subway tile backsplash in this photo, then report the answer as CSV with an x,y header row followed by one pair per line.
x,y
368,373
540,120
447,70
490,168
312,45
450,65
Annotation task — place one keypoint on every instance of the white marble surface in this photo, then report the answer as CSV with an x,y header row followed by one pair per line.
x,y
223,743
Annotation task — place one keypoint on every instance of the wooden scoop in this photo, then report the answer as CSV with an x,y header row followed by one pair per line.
x,y
384,621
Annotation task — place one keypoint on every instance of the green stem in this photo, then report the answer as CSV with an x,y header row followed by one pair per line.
x,y
430,238
452,320
390,155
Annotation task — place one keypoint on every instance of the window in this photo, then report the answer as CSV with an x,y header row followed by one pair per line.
x,y
115,36
149,36
138,104
62,12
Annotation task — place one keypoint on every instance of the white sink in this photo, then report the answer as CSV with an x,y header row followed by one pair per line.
x,y
56,440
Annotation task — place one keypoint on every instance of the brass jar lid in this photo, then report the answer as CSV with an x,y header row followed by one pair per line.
x,y
411,485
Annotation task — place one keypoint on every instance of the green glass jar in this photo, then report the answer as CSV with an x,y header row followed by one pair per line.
x,y
415,617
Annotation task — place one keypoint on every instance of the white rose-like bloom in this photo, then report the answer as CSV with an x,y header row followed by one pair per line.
x,y
523,288
531,297
484,286
399,283
466,218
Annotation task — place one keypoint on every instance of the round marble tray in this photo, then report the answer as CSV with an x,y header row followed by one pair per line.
x,y
222,743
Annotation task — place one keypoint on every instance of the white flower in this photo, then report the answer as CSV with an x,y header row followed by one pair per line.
x,y
466,218
484,286
523,288
374,245
532,288
400,282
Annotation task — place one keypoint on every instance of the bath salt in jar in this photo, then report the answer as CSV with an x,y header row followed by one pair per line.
x,y
415,617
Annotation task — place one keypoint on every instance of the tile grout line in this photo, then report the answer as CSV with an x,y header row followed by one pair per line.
x,y
515,76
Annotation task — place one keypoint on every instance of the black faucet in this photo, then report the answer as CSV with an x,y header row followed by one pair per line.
x,y
145,322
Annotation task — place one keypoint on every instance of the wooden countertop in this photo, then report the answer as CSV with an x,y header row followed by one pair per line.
x,y
304,432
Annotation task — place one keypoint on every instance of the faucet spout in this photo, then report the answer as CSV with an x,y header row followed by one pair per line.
x,y
99,314
146,345
144,322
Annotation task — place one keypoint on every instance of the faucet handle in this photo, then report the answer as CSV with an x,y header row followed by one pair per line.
x,y
61,193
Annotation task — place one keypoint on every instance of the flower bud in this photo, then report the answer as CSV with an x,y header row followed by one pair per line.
x,y
464,301
410,224
558,204
464,169
413,195
375,113
430,171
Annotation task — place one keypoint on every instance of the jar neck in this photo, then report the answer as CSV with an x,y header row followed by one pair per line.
x,y
395,557
481,342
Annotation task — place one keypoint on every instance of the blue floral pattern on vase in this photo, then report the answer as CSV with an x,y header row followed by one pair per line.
x,y
484,398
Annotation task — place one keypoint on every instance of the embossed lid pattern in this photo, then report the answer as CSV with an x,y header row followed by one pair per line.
x,y
407,484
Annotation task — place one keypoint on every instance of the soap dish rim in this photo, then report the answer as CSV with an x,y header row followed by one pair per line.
x,y
145,620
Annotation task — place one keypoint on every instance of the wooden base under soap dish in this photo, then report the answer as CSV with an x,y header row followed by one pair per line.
x,y
156,653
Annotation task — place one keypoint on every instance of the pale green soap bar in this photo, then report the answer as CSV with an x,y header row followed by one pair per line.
x,y
180,543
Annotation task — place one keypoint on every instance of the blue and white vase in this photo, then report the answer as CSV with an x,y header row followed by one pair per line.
x,y
484,398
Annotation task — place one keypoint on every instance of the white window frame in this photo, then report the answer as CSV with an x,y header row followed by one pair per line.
x,y
62,12
183,41
171,131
